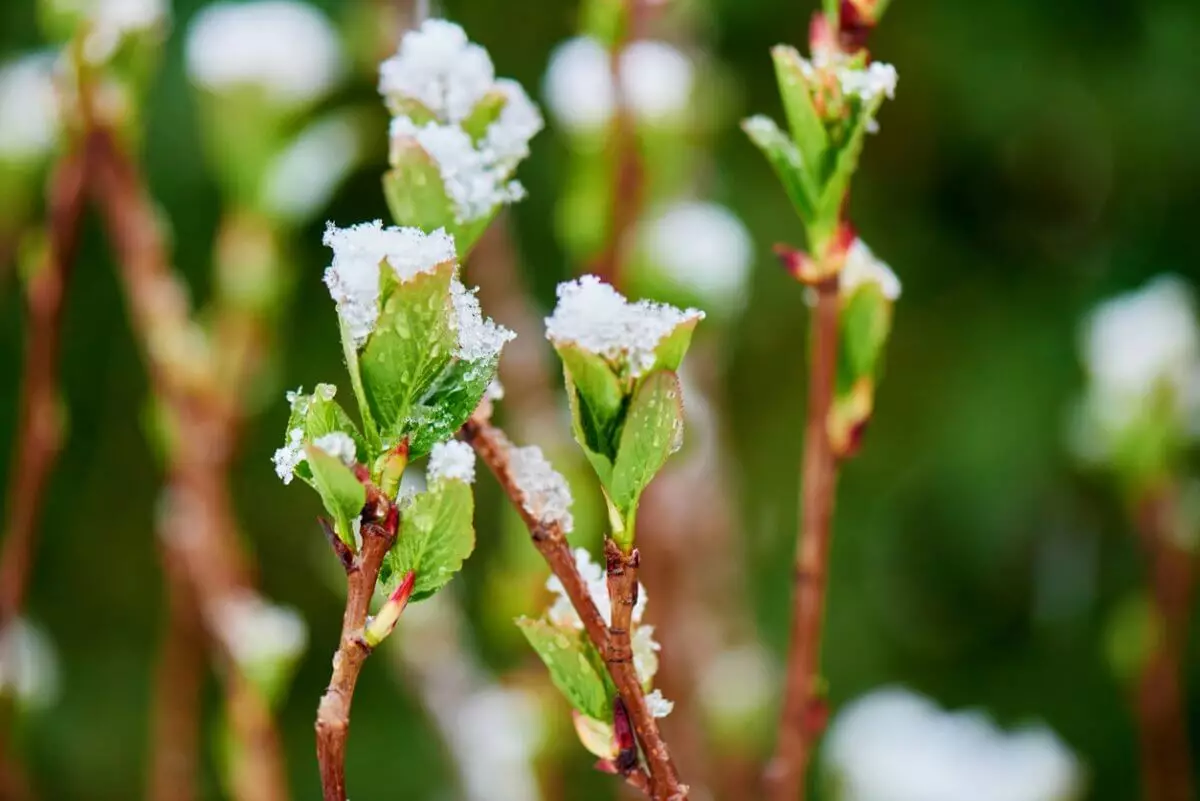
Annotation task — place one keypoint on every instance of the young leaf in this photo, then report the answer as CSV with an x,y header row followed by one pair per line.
x,y
785,159
602,393
571,670
808,131
342,494
319,414
864,322
486,111
415,192
451,399
437,534
411,345
844,164
650,435
670,351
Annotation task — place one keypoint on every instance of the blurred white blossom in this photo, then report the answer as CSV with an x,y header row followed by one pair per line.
x,y
1137,348
303,177
28,665
287,49
258,632
657,81
595,317
702,247
110,21
894,745
29,111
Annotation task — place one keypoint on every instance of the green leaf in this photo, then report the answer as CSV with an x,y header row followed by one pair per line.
x,y
572,670
412,344
341,492
350,355
808,131
416,197
486,111
451,399
650,435
671,349
785,159
864,322
319,414
602,394
845,163
415,192
437,534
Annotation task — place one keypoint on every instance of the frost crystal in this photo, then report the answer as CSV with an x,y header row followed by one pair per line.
x,y
656,81
701,246
869,83
338,445
594,316
507,139
440,68
645,653
287,49
304,177
29,114
893,745
659,707
863,267
452,459
563,614
358,253
257,632
289,457
478,338
544,492
474,181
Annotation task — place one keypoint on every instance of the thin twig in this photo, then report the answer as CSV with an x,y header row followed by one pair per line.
x,y
804,712
1160,706
40,427
333,712
492,447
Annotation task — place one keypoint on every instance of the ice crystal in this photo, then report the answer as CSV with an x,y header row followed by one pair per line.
x,y
594,316
358,253
506,141
439,67
869,83
339,445
659,707
289,457
452,460
563,614
478,337
862,267
287,49
544,492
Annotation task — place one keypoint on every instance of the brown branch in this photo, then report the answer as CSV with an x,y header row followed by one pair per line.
x,y
174,763
40,427
198,529
1160,704
333,712
804,713
492,447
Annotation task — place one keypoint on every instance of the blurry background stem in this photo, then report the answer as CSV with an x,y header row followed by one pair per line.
x,y
1160,696
40,420
197,525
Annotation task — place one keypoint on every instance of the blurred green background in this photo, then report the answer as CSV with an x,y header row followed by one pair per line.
x,y
1038,157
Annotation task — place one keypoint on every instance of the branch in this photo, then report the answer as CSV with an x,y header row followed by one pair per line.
x,y
1160,700
199,528
333,712
492,447
803,716
40,427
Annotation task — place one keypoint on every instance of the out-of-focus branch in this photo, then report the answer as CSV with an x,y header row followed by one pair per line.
x,y
39,426
804,713
1160,705
198,526
492,448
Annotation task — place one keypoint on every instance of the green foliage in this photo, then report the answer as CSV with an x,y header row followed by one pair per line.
x,y
341,492
863,326
574,664
448,402
413,342
437,534
651,433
